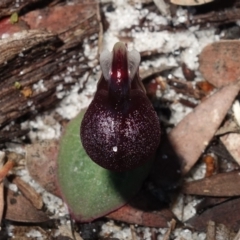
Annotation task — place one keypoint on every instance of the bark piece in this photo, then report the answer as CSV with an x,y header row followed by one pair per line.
x,y
38,58
191,136
227,213
59,19
19,209
7,28
219,62
21,41
220,185
8,7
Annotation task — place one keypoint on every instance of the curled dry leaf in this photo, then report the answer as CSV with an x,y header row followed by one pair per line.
x,y
227,213
219,62
191,136
42,162
220,185
19,209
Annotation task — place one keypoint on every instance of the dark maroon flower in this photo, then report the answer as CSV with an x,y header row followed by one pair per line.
x,y
120,129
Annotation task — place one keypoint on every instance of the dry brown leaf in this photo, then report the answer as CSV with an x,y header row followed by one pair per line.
x,y
191,136
209,202
190,2
219,62
131,215
232,143
19,209
143,210
42,162
227,213
219,185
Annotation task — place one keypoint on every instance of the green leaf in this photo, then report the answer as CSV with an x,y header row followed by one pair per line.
x,y
14,18
89,190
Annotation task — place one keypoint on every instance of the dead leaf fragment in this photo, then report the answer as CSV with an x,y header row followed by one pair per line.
x,y
42,162
219,185
19,209
232,143
143,210
190,2
191,136
135,216
227,213
219,62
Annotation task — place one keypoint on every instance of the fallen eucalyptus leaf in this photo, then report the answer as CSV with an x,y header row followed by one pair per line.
x,y
190,2
226,213
42,163
144,210
191,136
219,185
219,62
89,190
19,209
232,143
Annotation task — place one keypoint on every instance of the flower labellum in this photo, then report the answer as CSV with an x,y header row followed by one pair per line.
x,y
120,129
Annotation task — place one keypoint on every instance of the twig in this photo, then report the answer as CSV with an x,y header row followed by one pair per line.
x,y
211,231
171,228
2,156
133,232
29,192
